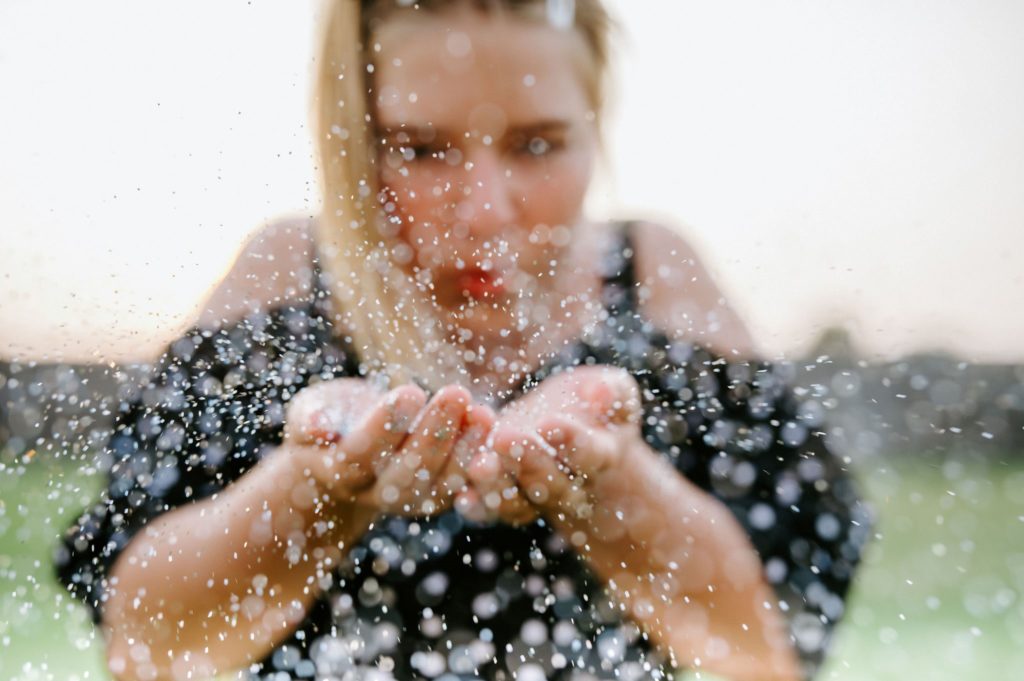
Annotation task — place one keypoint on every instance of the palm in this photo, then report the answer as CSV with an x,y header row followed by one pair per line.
x,y
395,452
548,448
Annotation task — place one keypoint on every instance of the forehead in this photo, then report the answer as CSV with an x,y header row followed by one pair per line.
x,y
460,70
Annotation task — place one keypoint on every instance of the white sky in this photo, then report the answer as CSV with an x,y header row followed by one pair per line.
x,y
837,162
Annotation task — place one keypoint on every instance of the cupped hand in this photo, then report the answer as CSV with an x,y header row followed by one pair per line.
x,y
396,452
548,451
570,450
400,452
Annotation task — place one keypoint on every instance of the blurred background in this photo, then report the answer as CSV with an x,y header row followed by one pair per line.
x,y
851,173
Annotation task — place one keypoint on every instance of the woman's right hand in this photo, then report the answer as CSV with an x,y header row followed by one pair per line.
x,y
395,452
178,584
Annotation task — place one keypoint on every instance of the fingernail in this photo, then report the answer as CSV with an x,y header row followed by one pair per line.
x,y
326,427
476,433
325,436
555,436
402,417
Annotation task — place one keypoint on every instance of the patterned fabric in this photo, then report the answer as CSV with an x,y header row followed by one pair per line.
x,y
446,598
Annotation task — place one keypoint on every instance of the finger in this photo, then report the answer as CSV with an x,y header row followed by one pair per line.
x,y
439,427
516,454
586,450
478,422
323,413
542,477
492,475
470,505
612,396
351,463
425,453
387,424
549,484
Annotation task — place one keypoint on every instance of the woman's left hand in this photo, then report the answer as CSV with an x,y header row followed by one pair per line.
x,y
549,449
571,450
674,556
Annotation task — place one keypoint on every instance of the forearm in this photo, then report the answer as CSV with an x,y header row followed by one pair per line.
x,y
723,613
213,585
689,575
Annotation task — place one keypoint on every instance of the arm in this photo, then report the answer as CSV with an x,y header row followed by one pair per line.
x,y
218,520
673,555
736,611
208,545
743,436
168,557
762,502
213,585
677,293
685,570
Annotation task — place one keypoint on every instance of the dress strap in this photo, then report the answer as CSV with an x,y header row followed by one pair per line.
x,y
618,272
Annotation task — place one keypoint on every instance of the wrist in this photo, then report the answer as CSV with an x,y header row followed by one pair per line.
x,y
328,521
712,568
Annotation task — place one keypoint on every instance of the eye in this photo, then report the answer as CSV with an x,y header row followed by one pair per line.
x,y
401,152
411,152
537,147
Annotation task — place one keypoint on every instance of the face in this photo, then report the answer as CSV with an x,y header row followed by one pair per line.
x,y
487,142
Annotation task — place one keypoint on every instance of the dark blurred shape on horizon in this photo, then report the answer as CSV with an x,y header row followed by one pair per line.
x,y
930,404
924,404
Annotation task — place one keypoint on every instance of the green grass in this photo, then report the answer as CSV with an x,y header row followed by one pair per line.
x,y
43,633
940,596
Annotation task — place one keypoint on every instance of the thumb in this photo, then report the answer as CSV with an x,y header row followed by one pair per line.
x,y
612,397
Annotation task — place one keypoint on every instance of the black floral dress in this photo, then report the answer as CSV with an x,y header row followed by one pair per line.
x,y
448,599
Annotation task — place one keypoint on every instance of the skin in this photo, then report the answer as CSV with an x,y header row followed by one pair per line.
x,y
478,120
587,461
673,556
214,585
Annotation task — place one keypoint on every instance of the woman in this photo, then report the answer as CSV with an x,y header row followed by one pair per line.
x,y
455,430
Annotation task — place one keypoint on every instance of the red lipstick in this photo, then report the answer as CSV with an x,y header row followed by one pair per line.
x,y
477,283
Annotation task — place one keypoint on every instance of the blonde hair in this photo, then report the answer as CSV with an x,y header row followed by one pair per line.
x,y
394,328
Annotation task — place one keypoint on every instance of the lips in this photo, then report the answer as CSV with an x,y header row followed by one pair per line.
x,y
477,283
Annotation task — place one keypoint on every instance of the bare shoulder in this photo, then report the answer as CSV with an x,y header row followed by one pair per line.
x,y
679,295
274,267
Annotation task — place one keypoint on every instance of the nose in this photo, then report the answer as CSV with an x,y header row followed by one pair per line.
x,y
484,202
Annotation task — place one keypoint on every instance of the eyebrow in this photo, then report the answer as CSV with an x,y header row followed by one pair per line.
x,y
552,125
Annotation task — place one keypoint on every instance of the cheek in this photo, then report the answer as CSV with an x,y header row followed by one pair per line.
x,y
419,199
552,192
552,195
417,193
544,193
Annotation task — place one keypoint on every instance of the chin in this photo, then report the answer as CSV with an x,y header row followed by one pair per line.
x,y
486,321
